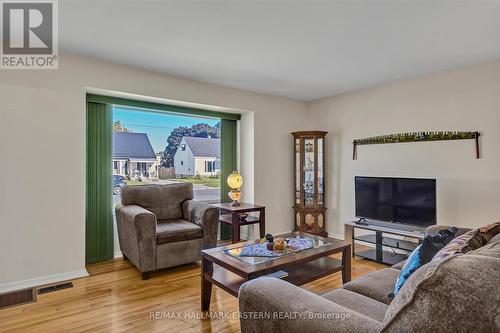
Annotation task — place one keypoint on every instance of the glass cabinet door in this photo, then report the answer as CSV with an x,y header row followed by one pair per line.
x,y
297,171
309,188
309,167
320,173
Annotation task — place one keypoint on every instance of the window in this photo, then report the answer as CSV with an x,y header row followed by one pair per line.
x,y
140,136
144,126
208,166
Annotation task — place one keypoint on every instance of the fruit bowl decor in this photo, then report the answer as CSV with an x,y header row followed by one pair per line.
x,y
278,244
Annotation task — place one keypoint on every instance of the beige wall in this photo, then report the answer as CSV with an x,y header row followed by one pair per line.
x,y
42,117
468,190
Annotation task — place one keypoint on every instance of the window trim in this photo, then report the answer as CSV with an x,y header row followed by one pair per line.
x,y
118,101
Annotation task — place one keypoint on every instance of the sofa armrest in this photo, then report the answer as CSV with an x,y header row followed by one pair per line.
x,y
137,233
273,305
206,217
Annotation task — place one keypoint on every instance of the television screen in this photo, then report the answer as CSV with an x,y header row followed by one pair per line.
x,y
400,200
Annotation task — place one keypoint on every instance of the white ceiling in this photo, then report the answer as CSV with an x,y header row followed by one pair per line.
x,y
300,49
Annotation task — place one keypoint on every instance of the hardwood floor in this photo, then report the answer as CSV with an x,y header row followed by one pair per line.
x,y
115,299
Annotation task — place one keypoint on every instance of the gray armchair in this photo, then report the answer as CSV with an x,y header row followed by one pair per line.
x,y
161,226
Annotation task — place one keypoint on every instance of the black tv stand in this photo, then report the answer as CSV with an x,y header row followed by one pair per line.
x,y
389,243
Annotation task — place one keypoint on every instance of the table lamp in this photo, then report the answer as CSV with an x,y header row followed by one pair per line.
x,y
234,180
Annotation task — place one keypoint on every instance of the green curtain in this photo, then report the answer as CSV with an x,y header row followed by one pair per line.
x,y
99,204
228,164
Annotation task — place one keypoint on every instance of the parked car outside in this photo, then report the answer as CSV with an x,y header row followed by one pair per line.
x,y
118,183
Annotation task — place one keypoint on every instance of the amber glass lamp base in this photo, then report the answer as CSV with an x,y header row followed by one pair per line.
x,y
235,195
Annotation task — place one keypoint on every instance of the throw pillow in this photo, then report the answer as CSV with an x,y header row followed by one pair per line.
x,y
410,266
432,244
462,244
469,241
489,231
423,254
495,239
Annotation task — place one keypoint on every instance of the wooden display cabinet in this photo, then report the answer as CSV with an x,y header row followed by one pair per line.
x,y
309,182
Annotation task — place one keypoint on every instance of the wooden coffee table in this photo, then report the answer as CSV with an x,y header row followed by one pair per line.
x,y
229,273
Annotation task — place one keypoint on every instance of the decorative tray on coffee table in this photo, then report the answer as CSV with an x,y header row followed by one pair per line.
x,y
259,252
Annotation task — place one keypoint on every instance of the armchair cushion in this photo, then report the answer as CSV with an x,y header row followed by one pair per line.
x,y
172,231
164,201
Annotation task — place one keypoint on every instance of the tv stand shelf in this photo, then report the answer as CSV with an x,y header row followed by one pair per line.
x,y
388,257
395,243
392,244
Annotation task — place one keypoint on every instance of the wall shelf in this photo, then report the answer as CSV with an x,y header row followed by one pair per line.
x,y
417,137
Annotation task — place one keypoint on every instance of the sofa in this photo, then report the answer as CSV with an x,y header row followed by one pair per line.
x,y
161,226
460,293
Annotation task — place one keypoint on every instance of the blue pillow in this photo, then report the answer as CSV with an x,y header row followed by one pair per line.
x,y
411,265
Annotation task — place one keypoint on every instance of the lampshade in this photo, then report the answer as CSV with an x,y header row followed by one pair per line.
x,y
234,180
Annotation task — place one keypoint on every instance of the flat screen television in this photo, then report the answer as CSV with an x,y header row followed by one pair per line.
x,y
410,201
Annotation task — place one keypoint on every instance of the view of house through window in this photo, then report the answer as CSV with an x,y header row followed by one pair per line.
x,y
160,148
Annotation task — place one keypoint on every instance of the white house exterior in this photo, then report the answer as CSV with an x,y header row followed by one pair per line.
x,y
133,154
197,156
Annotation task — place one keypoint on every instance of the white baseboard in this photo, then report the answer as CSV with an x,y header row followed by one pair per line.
x,y
118,254
43,280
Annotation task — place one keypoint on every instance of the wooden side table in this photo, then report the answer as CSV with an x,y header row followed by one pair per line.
x,y
231,215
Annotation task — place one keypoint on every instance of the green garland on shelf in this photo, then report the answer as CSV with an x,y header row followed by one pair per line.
x,y
417,137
